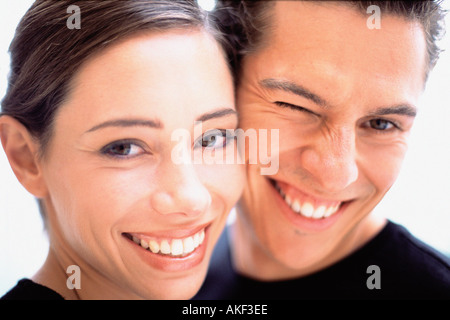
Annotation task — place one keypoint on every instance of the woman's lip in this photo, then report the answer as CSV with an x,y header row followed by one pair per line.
x,y
170,263
178,233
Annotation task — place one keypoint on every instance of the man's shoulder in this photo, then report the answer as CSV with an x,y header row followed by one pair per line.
x,y
404,247
398,263
407,265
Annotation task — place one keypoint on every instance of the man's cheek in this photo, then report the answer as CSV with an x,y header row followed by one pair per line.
x,y
382,171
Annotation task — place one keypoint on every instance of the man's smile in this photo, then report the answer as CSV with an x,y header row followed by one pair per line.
x,y
305,211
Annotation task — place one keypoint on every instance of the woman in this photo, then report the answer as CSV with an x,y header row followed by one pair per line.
x,y
87,125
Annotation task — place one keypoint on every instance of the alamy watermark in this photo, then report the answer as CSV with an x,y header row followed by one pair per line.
x,y
259,149
74,280
374,280
74,20
374,21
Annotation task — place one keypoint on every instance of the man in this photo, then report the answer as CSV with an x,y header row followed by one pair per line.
x,y
342,88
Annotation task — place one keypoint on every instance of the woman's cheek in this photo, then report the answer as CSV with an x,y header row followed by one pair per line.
x,y
225,181
93,199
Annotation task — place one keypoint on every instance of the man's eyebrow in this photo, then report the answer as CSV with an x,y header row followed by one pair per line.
x,y
216,114
155,124
402,109
294,88
289,86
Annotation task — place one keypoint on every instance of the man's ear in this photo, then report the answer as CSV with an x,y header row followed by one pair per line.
x,y
22,153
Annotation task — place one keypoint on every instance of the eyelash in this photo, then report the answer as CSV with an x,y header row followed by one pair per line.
x,y
293,107
107,150
395,126
224,133
129,143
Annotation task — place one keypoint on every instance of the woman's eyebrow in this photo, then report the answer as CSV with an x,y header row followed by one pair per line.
x,y
217,114
155,124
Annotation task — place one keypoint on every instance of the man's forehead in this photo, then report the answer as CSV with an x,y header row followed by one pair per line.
x,y
331,35
323,14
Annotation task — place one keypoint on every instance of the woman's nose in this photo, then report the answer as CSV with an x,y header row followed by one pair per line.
x,y
181,192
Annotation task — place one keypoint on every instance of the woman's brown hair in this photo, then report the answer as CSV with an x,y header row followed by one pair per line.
x,y
45,53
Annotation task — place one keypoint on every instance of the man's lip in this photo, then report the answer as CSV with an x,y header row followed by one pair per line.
x,y
308,224
305,196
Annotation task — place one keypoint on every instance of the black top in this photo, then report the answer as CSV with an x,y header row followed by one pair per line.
x,y
29,290
407,269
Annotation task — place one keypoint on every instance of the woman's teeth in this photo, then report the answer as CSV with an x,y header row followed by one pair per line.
x,y
173,247
306,208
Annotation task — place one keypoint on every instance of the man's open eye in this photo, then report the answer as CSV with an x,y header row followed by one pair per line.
x,y
214,139
381,124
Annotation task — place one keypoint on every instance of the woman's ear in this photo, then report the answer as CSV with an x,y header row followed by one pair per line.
x,y
22,153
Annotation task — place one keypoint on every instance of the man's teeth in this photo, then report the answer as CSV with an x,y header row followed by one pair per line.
x,y
174,247
306,208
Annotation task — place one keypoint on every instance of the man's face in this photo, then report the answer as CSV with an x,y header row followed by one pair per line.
x,y
343,97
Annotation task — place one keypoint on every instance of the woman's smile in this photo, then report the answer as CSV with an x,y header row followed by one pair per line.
x,y
169,252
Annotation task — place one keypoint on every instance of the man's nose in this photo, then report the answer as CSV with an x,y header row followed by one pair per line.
x,y
330,159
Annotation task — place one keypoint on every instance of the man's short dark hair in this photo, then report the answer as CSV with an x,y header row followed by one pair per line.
x,y
247,22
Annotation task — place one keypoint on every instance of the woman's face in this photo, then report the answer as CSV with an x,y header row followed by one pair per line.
x,y
121,205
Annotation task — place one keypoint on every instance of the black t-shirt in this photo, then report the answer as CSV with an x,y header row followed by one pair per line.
x,y
26,289
393,265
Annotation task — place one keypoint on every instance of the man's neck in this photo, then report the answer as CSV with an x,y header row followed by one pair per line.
x,y
250,258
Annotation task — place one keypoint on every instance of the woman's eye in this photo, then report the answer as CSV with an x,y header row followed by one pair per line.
x,y
214,139
381,124
122,149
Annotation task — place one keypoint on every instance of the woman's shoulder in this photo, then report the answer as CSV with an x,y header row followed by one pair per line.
x,y
26,289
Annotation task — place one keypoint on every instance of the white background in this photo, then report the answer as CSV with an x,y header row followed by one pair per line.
x,y
420,199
